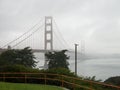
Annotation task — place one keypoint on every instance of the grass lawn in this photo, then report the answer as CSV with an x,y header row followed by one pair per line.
x,y
19,86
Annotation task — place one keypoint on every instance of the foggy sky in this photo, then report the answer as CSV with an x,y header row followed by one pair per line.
x,y
97,22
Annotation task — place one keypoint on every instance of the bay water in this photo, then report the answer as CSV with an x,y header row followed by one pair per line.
x,y
102,68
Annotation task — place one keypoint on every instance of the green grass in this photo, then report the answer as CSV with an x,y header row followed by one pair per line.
x,y
19,86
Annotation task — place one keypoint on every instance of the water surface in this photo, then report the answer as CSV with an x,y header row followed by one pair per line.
x,y
101,68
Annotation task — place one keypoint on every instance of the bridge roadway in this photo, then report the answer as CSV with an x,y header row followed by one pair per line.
x,y
33,50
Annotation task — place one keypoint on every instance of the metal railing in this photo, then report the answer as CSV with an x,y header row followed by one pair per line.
x,y
72,83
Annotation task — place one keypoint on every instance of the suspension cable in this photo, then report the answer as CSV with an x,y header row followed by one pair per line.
x,y
28,36
61,34
23,34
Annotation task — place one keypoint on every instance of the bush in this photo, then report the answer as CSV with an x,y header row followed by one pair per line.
x,y
38,78
113,80
61,71
17,68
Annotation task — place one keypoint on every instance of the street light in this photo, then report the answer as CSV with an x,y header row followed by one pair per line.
x,y
76,59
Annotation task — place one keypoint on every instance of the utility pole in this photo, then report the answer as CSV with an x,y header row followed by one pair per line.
x,y
76,59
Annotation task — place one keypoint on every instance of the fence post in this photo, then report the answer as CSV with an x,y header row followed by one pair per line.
x,y
4,77
73,81
91,85
118,88
62,81
25,78
45,79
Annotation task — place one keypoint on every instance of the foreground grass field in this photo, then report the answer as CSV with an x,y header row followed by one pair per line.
x,y
18,86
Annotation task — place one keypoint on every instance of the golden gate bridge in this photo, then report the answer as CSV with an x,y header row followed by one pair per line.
x,y
42,37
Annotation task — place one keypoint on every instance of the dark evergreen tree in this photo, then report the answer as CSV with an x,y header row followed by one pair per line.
x,y
113,80
57,59
21,57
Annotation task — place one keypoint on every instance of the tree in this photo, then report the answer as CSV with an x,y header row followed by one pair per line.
x,y
21,57
57,59
113,80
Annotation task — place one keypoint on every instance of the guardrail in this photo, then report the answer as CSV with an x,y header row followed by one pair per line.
x,y
55,79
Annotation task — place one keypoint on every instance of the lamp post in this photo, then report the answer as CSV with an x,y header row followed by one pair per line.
x,y
76,59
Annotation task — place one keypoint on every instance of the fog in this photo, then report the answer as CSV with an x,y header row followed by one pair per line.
x,y
96,22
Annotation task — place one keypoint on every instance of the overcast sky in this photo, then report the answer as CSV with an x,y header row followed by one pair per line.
x,y
97,22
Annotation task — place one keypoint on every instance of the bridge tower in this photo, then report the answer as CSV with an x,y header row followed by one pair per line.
x,y
48,37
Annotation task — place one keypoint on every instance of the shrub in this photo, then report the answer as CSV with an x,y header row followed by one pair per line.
x,y
113,80
17,68
61,71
